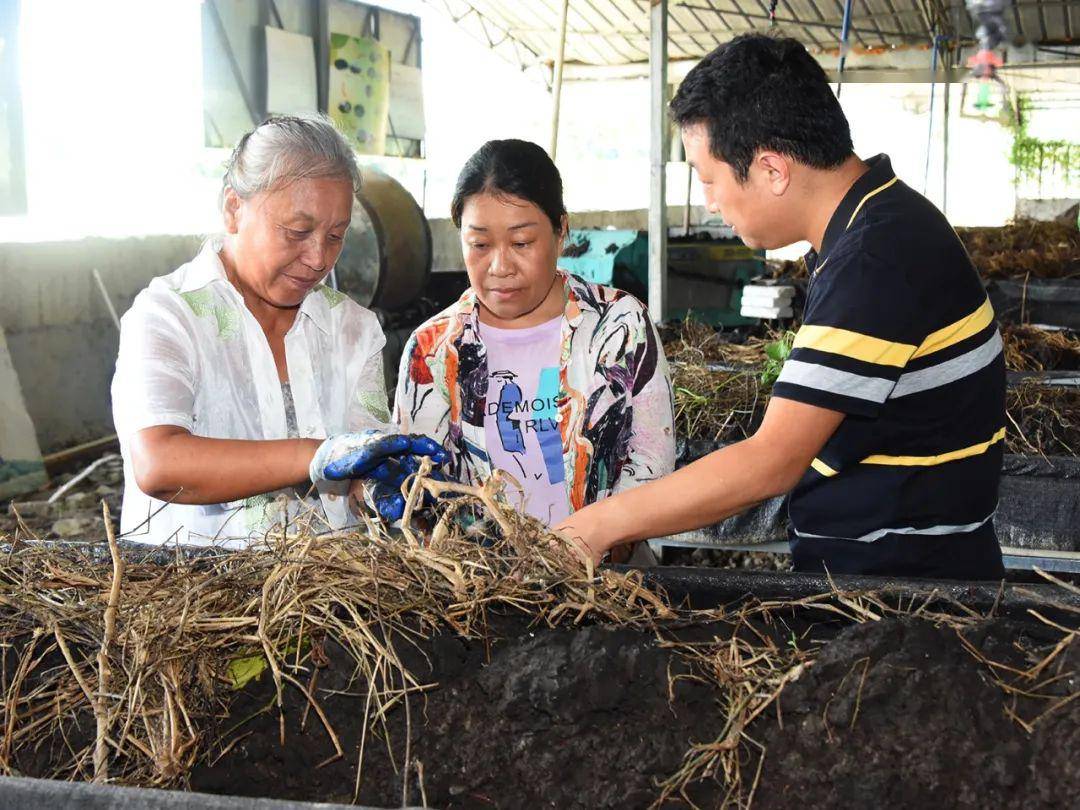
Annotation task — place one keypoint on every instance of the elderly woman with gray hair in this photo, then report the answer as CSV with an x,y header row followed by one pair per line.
x,y
235,369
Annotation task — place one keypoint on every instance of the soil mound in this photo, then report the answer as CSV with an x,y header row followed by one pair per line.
x,y
894,714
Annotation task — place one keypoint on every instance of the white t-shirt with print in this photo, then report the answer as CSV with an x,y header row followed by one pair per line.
x,y
521,416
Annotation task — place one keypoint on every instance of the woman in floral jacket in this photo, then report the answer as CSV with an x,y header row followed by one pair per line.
x,y
560,383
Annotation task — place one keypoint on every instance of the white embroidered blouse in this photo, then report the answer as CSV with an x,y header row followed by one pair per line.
x,y
192,355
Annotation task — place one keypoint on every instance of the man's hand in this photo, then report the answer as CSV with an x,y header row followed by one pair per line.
x,y
363,455
584,531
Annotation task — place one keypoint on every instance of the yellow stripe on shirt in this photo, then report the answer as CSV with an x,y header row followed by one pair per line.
x,y
862,202
930,461
823,468
955,332
855,345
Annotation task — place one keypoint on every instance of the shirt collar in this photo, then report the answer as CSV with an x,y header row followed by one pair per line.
x,y
880,173
207,267
571,310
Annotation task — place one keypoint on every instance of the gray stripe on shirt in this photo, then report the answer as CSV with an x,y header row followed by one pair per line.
x,y
950,371
813,375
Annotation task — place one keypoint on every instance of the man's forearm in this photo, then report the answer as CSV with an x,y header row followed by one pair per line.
x,y
715,487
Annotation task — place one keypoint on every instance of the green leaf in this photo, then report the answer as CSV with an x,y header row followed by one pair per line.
x,y
777,352
242,671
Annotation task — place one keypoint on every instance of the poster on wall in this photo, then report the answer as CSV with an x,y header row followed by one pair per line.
x,y
290,73
406,102
359,98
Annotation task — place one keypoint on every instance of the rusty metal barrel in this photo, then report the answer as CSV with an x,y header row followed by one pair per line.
x,y
386,260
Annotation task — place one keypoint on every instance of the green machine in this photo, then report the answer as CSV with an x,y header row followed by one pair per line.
x,y
706,269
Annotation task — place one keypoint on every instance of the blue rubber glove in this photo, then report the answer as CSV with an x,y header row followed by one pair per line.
x,y
357,455
394,471
385,495
388,502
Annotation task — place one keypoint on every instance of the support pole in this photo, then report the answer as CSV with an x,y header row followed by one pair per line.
x,y
556,84
322,54
658,153
930,126
845,31
945,146
686,208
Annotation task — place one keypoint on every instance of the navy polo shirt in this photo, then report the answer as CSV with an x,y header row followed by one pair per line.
x,y
898,335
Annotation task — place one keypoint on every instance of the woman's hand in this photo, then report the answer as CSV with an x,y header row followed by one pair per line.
x,y
381,490
386,500
365,454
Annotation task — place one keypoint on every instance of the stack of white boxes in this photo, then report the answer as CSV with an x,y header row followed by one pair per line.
x,y
767,301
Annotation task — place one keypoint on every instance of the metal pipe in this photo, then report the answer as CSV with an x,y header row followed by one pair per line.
x,y
945,149
234,66
658,153
790,21
930,129
686,208
105,297
845,30
556,84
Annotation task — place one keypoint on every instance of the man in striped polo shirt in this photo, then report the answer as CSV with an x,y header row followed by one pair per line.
x,y
888,419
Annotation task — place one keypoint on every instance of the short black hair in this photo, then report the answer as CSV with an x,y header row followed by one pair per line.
x,y
763,92
512,167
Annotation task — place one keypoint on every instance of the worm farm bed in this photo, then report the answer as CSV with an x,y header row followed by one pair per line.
x,y
488,667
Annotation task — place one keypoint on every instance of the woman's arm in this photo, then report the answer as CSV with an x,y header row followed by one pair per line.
x,y
651,453
171,464
419,407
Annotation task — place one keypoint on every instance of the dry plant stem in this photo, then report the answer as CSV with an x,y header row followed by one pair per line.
x,y
101,711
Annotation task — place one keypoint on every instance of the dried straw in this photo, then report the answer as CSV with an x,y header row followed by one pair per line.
x,y
1043,419
1029,348
750,669
695,343
721,406
165,633
1025,248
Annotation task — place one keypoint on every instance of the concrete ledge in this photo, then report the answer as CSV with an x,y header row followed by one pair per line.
x,y
48,794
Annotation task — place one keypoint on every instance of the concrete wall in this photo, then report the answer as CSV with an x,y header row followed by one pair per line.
x,y
1043,209
63,343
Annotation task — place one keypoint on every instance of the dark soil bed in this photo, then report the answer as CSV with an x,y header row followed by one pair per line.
x,y
894,707
893,713
898,714
546,718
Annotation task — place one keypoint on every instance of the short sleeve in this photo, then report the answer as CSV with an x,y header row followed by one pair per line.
x,y
651,449
419,404
367,404
861,326
370,411
155,375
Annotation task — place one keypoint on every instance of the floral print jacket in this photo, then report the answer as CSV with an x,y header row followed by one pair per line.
x,y
615,404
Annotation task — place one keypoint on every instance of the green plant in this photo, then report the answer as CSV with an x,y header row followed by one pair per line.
x,y
775,355
1032,157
